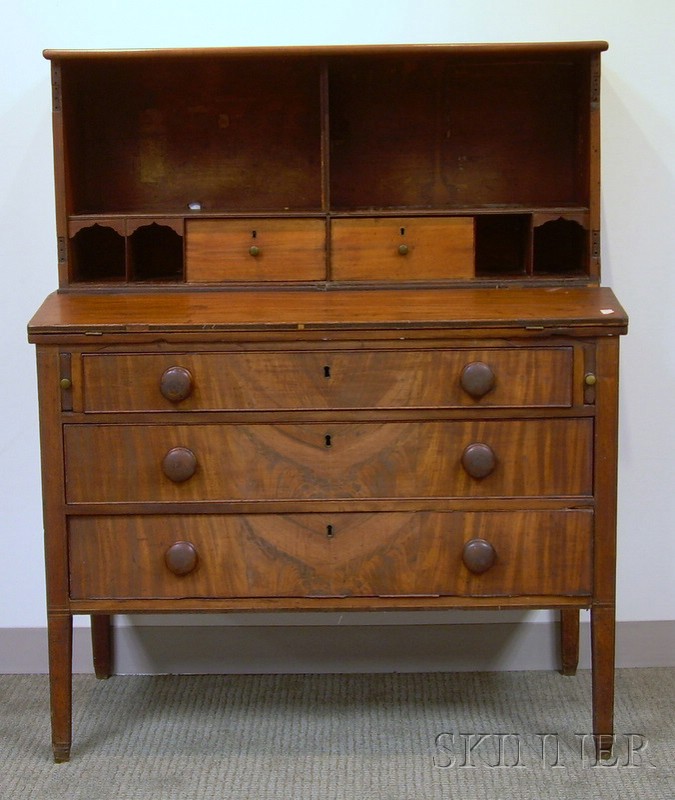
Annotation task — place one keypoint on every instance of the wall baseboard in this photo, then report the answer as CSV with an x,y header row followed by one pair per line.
x,y
207,649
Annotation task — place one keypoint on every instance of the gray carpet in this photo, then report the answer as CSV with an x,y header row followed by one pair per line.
x,y
339,737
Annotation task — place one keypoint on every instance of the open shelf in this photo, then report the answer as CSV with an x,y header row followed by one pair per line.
x,y
122,250
154,136
559,247
502,245
157,150
432,132
155,253
98,254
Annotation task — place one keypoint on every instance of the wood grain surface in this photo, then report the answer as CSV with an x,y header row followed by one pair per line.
x,y
524,377
205,312
318,555
312,461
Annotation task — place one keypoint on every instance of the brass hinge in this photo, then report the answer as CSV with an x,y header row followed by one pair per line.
x,y
62,249
595,83
56,87
595,244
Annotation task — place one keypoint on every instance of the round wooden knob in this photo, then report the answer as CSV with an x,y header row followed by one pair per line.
x,y
478,555
477,379
176,384
479,460
181,558
254,250
403,249
179,464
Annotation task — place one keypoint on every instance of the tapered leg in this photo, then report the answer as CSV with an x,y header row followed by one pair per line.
x,y
602,650
60,632
101,644
569,640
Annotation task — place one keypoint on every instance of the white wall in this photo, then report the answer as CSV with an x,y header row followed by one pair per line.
x,y
638,218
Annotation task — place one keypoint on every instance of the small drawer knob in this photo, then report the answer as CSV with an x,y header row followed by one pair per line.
x,y
254,250
478,556
479,460
179,464
181,558
65,384
477,379
590,379
403,249
176,384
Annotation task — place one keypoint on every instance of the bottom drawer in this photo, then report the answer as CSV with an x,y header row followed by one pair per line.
x,y
496,553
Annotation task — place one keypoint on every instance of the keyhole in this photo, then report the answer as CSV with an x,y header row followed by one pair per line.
x,y
254,234
328,440
329,531
403,248
326,372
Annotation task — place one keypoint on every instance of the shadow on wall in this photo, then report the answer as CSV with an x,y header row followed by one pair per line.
x,y
337,648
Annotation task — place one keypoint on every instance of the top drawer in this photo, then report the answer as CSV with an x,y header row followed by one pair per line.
x,y
384,379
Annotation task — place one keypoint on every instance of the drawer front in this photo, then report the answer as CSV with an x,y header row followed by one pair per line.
x,y
255,250
313,461
322,555
385,379
402,249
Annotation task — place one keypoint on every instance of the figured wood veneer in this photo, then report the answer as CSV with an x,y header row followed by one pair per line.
x,y
535,458
331,555
330,379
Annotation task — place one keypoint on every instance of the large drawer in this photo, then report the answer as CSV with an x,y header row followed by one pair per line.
x,y
318,555
506,377
232,462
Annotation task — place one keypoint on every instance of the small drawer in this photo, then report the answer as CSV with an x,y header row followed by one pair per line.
x,y
402,248
502,553
384,379
222,250
328,461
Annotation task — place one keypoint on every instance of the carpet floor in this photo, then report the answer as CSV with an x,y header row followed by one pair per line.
x,y
474,736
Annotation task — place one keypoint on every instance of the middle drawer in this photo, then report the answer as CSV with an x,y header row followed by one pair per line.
x,y
315,461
